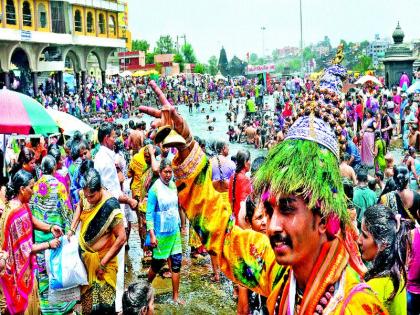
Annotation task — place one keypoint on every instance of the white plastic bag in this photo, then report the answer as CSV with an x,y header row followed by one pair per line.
x,y
64,266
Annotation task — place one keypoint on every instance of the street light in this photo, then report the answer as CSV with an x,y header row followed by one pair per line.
x,y
263,48
301,39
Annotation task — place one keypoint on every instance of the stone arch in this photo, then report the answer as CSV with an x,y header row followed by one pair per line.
x,y
75,58
30,57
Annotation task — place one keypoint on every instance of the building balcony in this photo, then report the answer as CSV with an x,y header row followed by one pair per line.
x,y
99,4
7,34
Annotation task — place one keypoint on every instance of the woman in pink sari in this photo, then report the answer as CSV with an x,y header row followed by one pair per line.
x,y
18,282
368,139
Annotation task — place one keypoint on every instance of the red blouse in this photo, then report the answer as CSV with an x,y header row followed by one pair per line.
x,y
243,188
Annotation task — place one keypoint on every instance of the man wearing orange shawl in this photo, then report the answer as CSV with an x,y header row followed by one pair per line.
x,y
302,265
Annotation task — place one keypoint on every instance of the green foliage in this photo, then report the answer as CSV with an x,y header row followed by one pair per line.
x,y
188,53
308,54
212,68
253,59
276,55
150,58
364,44
236,66
200,68
141,45
223,62
158,67
164,45
283,173
295,64
364,64
178,58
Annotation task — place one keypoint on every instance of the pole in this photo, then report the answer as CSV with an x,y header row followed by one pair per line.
x,y
263,48
301,39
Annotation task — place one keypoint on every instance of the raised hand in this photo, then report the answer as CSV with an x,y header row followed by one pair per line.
x,y
168,116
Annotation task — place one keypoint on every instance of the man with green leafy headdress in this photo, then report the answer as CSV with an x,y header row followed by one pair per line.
x,y
304,265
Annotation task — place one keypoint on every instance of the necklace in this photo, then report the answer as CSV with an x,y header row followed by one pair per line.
x,y
296,297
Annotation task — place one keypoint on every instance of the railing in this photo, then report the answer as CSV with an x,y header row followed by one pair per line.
x,y
10,17
27,19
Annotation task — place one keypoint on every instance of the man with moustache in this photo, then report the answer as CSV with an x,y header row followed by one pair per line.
x,y
304,266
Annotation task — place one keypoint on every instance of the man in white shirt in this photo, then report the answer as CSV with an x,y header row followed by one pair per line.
x,y
105,164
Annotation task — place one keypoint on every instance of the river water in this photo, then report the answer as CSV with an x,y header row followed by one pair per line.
x,y
201,295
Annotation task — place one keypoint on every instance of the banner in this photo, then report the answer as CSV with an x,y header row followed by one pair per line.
x,y
260,68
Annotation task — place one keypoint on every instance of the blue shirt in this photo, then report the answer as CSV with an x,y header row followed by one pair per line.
x,y
352,150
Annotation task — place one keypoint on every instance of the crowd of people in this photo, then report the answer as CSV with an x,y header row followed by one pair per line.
x,y
326,223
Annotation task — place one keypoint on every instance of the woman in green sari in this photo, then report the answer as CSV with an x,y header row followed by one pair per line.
x,y
50,204
102,235
379,152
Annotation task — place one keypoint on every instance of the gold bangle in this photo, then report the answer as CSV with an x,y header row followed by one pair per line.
x,y
51,226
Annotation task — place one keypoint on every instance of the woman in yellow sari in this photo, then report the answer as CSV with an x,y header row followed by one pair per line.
x,y
144,169
101,237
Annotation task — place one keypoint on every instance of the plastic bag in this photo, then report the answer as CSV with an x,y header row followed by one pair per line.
x,y
64,266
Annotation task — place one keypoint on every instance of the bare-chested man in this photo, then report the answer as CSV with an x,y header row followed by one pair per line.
x,y
346,170
136,138
250,133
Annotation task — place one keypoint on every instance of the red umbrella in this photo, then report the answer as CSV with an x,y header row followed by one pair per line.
x,y
23,115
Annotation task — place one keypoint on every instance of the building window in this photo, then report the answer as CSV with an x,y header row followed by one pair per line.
x,y
10,12
101,23
111,25
89,22
42,13
77,21
26,14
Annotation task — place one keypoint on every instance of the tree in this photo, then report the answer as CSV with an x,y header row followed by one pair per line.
x,y
364,64
188,53
308,54
223,62
212,68
295,65
165,45
141,45
200,68
276,55
158,67
178,58
253,59
150,58
236,66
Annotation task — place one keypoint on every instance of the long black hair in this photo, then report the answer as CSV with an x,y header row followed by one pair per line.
x,y
22,178
25,156
241,158
391,234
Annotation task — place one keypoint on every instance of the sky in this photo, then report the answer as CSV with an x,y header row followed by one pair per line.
x,y
237,25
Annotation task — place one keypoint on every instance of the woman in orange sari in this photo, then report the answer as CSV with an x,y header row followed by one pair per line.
x,y
18,281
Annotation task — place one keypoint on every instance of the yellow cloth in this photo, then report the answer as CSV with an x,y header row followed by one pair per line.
x,y
141,173
246,256
91,258
383,288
